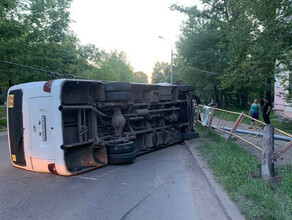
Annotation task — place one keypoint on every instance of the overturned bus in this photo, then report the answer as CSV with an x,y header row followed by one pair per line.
x,y
69,126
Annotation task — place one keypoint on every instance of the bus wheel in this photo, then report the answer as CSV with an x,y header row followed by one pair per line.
x,y
121,158
120,148
189,135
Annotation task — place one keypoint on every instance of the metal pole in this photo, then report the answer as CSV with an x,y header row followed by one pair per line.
x,y
171,61
171,65
210,120
237,123
255,133
268,153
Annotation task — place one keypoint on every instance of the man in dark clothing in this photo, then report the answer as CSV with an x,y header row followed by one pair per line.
x,y
212,104
266,110
198,100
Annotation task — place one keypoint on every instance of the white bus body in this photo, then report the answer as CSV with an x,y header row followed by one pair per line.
x,y
70,126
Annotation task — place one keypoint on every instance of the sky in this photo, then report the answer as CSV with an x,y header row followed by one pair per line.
x,y
132,26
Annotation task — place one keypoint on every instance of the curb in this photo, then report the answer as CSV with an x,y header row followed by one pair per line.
x,y
229,208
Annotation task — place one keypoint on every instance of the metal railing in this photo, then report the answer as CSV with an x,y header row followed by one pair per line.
x,y
2,112
3,117
235,124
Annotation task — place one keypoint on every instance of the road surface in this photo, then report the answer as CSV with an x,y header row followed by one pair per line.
x,y
165,184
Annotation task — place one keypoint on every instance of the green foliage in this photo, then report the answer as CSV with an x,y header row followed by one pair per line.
x,y
161,71
242,41
139,77
111,66
237,171
3,122
37,34
3,125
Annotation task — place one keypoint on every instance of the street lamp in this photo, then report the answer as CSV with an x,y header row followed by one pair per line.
x,y
171,56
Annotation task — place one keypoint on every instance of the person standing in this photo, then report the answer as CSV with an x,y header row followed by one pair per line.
x,y
212,103
255,112
266,110
197,98
197,102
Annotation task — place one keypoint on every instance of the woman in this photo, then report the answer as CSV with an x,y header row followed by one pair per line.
x,y
255,110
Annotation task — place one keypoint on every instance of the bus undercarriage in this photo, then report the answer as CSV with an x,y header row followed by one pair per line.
x,y
116,121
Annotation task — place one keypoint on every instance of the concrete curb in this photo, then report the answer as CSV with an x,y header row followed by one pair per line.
x,y
229,207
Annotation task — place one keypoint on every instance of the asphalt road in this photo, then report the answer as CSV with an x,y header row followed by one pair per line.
x,y
165,184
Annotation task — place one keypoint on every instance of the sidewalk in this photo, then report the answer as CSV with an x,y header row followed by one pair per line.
x,y
228,207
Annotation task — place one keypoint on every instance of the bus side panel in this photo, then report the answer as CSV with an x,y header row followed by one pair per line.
x,y
40,130
16,127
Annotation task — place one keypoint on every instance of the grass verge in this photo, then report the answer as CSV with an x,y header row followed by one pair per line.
x,y
3,124
238,172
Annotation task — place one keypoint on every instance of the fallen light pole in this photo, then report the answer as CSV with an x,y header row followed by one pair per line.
x,y
276,137
265,137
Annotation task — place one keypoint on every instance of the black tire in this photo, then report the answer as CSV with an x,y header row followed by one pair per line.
x,y
121,158
117,86
117,96
120,148
189,135
186,88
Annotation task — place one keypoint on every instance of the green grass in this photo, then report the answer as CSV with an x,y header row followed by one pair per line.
x,y
282,125
238,172
3,122
2,111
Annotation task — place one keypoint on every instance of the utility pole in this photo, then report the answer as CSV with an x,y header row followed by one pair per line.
x,y
171,59
171,66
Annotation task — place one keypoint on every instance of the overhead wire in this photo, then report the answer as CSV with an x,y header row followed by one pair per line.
x,y
54,74
204,71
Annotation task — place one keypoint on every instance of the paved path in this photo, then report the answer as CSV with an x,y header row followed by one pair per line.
x,y
165,184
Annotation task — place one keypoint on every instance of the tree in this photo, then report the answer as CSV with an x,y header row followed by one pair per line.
x,y
139,77
112,66
38,36
161,72
241,40
36,33
202,46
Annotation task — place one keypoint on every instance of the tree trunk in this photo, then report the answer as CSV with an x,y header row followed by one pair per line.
x,y
269,89
216,94
244,100
220,103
